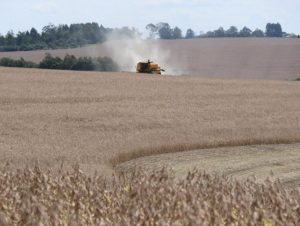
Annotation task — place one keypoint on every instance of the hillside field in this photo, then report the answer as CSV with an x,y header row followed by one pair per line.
x,y
53,117
238,58
68,132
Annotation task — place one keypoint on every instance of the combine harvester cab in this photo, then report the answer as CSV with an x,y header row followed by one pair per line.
x,y
149,68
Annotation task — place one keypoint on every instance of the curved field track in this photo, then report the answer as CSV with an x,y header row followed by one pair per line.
x,y
277,161
242,58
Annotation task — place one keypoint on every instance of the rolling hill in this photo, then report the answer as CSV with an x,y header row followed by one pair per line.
x,y
242,58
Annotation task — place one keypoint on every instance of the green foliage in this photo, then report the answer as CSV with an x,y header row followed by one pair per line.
x,y
219,32
84,64
190,34
76,35
209,34
245,32
10,39
152,29
8,48
258,33
232,32
50,62
274,30
176,33
69,62
7,62
105,64
62,36
164,31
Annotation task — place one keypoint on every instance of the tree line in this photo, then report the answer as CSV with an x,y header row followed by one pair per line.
x,y
80,34
165,31
69,62
62,36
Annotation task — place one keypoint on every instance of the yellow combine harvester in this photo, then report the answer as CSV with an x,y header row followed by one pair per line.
x,y
148,67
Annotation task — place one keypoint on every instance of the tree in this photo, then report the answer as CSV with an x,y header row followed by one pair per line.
x,y
164,31
245,32
190,33
22,38
62,36
84,64
152,30
2,40
210,34
69,62
49,33
258,33
105,64
273,30
177,33
10,38
35,36
219,32
232,32
50,62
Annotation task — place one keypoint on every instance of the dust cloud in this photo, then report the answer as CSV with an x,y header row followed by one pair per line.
x,y
128,51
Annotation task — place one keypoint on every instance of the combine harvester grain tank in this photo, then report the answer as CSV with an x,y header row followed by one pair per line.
x,y
149,67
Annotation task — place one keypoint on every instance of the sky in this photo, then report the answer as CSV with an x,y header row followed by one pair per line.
x,y
200,15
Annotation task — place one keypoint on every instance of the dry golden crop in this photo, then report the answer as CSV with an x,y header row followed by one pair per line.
x,y
36,197
55,117
90,118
